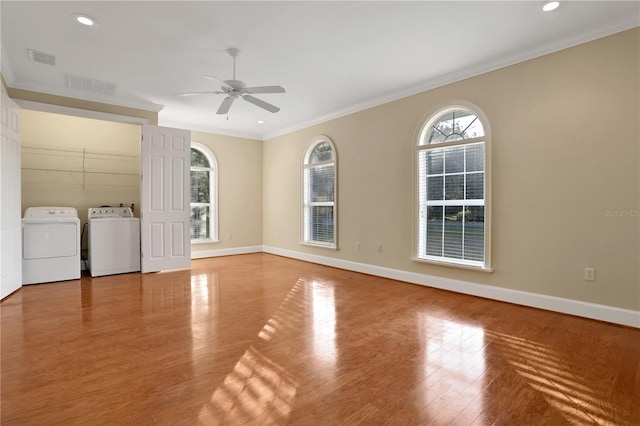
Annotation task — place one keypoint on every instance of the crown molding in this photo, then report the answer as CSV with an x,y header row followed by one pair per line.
x,y
205,129
463,74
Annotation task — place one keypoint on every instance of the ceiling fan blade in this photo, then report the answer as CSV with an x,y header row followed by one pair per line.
x,y
262,104
214,92
225,105
265,89
216,79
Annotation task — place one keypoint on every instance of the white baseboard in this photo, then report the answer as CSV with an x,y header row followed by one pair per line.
x,y
606,313
225,252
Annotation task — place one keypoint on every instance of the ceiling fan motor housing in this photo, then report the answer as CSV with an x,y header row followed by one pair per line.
x,y
237,85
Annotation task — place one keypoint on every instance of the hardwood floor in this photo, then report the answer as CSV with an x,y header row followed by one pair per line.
x,y
265,340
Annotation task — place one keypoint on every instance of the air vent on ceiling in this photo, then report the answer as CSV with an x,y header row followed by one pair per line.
x,y
41,57
90,84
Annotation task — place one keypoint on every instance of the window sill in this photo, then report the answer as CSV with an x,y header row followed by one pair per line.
x,y
326,246
195,242
453,265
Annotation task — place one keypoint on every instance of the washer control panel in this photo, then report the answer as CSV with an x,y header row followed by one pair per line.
x,y
107,212
57,212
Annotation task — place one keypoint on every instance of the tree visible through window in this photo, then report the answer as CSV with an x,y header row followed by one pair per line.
x,y
451,189
319,216
203,208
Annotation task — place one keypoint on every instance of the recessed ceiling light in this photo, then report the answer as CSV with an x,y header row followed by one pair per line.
x,y
550,5
260,121
84,19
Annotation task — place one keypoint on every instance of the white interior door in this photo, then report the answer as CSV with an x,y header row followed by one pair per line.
x,y
10,204
165,199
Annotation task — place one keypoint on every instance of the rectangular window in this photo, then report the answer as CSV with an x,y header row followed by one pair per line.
x,y
200,205
200,218
319,200
321,224
451,204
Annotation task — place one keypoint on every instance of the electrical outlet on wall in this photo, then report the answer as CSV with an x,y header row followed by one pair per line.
x,y
589,274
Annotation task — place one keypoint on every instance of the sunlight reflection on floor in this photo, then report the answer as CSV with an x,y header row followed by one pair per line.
x,y
258,390
454,367
551,376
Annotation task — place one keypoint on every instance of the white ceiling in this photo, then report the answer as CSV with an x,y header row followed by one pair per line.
x,y
333,58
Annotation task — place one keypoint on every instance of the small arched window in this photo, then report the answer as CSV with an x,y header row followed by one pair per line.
x,y
204,208
319,221
452,188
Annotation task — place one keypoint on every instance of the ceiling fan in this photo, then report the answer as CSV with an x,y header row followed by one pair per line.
x,y
235,89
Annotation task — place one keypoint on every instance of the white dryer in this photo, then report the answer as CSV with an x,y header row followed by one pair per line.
x,y
114,241
50,245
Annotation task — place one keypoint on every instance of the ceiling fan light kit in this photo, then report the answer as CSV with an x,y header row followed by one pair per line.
x,y
235,89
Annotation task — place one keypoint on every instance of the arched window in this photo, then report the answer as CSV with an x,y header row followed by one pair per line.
x,y
452,188
204,208
319,193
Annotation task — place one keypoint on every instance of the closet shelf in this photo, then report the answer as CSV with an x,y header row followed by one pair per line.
x,y
98,172
81,151
79,160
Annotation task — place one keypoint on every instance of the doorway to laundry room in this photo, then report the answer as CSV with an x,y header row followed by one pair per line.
x,y
79,162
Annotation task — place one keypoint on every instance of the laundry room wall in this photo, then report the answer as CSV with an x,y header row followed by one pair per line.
x,y
79,162
82,162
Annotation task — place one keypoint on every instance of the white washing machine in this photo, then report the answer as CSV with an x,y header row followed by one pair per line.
x,y
114,241
50,245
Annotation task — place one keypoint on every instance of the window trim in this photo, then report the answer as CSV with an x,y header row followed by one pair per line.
x,y
316,140
421,132
213,192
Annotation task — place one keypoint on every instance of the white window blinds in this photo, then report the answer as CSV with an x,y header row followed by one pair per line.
x,y
319,181
451,190
203,180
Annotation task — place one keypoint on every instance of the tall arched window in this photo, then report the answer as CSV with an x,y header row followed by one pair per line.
x,y
204,206
452,188
319,193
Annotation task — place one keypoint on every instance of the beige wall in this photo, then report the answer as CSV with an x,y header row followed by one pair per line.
x,y
566,161
57,148
566,157
239,190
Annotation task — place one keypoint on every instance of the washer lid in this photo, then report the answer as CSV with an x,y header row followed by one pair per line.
x,y
50,212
